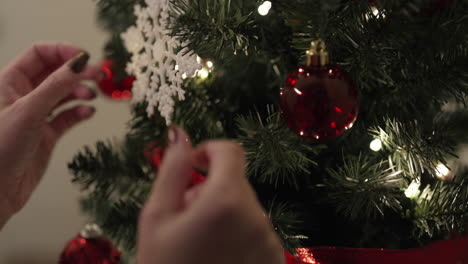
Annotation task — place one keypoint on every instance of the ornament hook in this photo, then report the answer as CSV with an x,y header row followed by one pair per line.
x,y
91,231
317,55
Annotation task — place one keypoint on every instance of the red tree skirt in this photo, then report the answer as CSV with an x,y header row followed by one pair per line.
x,y
454,251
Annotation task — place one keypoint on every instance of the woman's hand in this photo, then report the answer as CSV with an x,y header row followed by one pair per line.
x,y
220,221
45,77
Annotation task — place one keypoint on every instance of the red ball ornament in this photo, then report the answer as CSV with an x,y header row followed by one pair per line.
x,y
89,247
154,154
116,90
319,101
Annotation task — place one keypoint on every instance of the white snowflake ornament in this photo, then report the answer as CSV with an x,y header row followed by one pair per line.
x,y
158,62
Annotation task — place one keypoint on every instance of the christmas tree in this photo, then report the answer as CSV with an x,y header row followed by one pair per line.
x,y
349,139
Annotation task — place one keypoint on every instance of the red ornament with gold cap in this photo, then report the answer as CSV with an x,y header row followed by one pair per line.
x,y
89,246
319,100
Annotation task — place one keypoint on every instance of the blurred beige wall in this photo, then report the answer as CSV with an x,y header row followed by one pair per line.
x,y
38,233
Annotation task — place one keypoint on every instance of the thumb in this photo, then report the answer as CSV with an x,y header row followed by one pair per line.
x,y
57,85
174,175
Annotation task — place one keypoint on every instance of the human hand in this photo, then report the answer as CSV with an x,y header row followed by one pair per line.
x,y
220,221
44,78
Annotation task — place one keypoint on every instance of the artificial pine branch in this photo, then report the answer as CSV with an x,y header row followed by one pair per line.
x,y
121,224
203,113
117,180
286,223
442,209
416,149
276,155
373,188
215,27
117,15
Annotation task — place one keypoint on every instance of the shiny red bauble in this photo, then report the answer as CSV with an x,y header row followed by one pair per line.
x,y
92,250
154,154
319,102
109,86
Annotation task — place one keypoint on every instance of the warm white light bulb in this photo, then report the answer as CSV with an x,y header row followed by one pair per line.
x,y
176,67
209,64
203,73
375,11
184,76
442,171
264,8
376,145
413,190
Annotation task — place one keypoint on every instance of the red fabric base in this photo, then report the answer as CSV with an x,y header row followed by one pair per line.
x,y
454,251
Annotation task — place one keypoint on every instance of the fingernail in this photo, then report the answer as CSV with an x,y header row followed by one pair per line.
x,y
78,64
93,94
172,135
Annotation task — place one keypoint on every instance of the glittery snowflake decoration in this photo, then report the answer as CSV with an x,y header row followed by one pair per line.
x,y
158,62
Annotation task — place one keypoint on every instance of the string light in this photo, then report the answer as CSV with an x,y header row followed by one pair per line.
x,y
203,73
306,256
413,190
442,171
208,67
264,8
376,145
375,12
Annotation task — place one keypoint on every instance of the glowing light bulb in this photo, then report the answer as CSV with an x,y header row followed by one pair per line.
x,y
376,145
264,8
413,190
176,67
209,64
203,73
442,171
184,76
301,133
375,11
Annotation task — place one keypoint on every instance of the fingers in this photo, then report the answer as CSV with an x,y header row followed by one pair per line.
x,y
191,195
58,85
224,160
70,118
40,57
173,177
79,93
